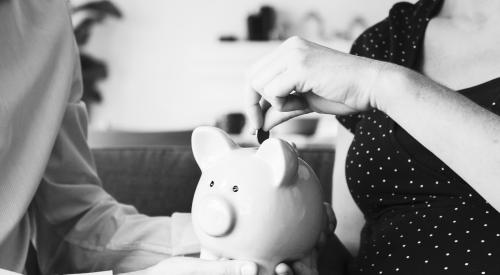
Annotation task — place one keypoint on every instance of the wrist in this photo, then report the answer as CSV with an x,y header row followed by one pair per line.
x,y
389,84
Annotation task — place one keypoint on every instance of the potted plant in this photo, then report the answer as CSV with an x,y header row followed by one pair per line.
x,y
93,69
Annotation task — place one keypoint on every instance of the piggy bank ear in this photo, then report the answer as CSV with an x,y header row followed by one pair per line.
x,y
282,158
209,143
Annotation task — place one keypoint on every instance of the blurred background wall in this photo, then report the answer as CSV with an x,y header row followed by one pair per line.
x,y
169,71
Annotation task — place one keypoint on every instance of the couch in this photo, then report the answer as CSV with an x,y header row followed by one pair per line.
x,y
160,180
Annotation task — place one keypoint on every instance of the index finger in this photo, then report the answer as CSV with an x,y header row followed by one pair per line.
x,y
254,110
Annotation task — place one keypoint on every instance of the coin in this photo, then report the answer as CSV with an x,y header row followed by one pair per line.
x,y
262,135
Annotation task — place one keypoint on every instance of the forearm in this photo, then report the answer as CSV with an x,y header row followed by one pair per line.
x,y
80,227
461,133
107,236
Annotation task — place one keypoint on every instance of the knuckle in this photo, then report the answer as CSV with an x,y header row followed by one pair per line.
x,y
298,51
295,41
298,59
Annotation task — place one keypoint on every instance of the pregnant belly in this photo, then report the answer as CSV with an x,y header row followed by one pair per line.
x,y
460,239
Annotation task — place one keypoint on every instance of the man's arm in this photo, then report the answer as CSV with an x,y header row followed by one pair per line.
x,y
80,228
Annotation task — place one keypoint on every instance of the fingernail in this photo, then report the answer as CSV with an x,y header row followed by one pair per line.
x,y
331,227
332,221
249,269
282,270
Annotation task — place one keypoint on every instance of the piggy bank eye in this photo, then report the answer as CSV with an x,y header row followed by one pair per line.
x,y
212,184
235,188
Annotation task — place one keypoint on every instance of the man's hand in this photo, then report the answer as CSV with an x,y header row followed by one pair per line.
x,y
305,266
196,266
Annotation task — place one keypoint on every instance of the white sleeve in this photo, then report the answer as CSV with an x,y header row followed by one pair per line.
x,y
81,228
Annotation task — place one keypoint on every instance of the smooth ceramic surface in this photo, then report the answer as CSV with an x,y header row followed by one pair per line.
x,y
259,204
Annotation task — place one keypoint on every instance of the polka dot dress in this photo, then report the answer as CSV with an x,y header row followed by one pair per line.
x,y
421,217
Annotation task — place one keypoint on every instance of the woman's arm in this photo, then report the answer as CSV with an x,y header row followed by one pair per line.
x,y
461,133
350,220
301,76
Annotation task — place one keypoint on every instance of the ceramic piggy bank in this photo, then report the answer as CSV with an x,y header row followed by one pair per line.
x,y
258,204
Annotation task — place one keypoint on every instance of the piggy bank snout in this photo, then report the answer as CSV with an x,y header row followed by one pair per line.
x,y
216,216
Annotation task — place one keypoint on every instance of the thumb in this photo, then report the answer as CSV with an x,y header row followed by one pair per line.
x,y
324,106
275,117
331,218
227,267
